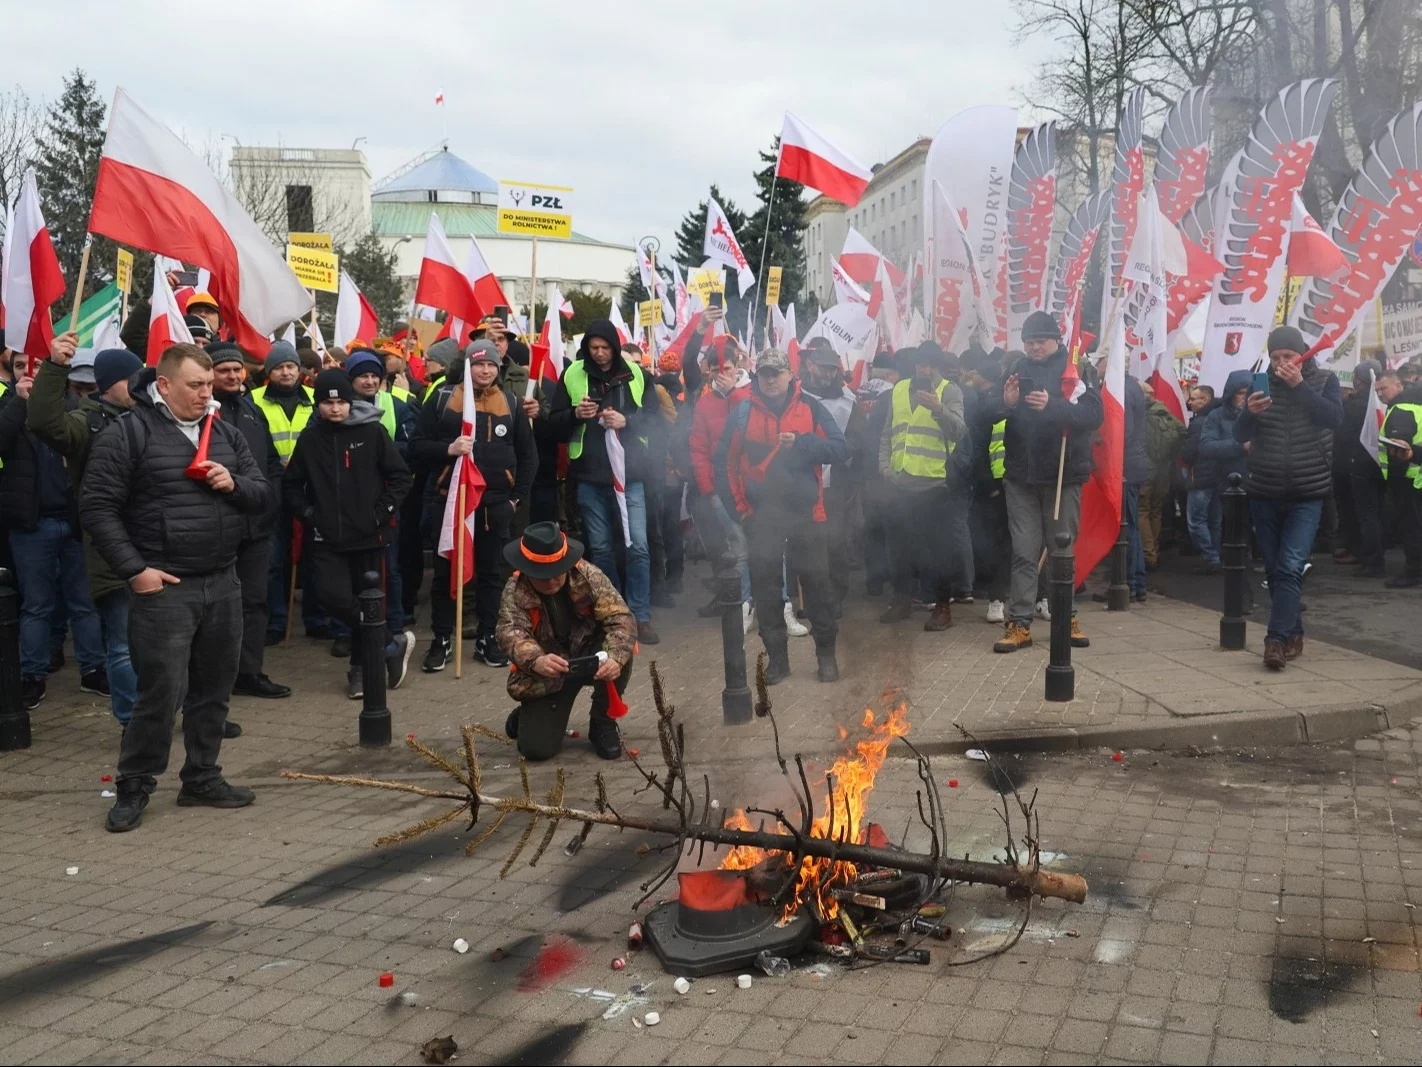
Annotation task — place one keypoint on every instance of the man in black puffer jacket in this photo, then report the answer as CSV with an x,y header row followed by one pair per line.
x,y
171,529
1290,431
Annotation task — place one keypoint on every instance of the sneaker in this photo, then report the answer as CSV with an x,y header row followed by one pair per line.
x,y
747,617
31,692
1293,647
397,661
1078,635
793,626
1015,636
1041,611
941,619
341,647
95,681
355,684
489,651
259,685
230,730
646,635
437,658
127,811
1275,655
220,794
602,733
997,611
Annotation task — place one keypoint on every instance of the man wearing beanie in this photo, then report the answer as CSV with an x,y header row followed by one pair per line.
x,y
1037,418
254,554
168,520
1288,431
345,481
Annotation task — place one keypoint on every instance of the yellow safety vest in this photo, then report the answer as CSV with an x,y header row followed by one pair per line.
x,y
1414,470
285,431
401,392
997,449
386,406
575,378
916,440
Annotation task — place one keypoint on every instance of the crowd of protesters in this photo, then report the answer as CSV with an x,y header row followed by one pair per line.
x,y
166,516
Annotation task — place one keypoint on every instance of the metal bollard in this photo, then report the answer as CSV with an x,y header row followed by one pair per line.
x,y
374,715
1118,593
1234,556
736,697
14,719
1061,675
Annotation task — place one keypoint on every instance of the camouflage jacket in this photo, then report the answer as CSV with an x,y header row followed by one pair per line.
x,y
524,632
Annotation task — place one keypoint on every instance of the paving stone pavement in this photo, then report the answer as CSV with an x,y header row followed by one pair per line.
x,y
1246,906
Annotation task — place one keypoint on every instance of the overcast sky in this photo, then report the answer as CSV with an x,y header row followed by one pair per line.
x,y
638,107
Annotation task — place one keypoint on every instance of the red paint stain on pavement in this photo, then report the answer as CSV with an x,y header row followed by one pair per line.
x,y
556,958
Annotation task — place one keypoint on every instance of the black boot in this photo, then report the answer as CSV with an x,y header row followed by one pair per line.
x,y
824,658
259,685
127,811
777,667
606,741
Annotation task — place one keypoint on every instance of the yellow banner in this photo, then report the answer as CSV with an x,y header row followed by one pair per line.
x,y
705,282
123,275
535,210
320,241
1288,297
315,269
772,286
649,313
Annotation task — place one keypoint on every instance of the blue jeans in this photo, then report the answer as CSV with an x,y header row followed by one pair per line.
x,y
123,682
1285,530
49,565
601,523
1135,551
1204,517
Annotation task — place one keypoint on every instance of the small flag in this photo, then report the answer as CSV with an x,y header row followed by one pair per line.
x,y
617,461
466,472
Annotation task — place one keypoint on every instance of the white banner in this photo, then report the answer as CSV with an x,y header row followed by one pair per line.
x,y
1402,331
847,326
721,245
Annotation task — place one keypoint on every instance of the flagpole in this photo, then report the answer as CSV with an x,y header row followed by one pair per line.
x,y
79,285
532,292
459,531
765,237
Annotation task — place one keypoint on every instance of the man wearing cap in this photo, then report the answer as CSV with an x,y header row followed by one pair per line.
x,y
771,461
202,305
69,431
563,626
254,553
925,423
1037,417
1290,433
39,507
345,481
197,326
81,373
823,379
503,449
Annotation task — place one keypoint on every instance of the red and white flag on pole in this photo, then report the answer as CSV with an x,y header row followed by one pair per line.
x,y
846,289
549,356
154,193
721,246
166,326
623,335
355,318
466,295
33,278
1101,495
456,532
809,159
1156,252
1370,436
1311,251
617,461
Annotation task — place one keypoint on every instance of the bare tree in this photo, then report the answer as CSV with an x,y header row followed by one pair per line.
x,y
20,119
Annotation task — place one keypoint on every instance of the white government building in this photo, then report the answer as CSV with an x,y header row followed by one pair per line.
x,y
336,186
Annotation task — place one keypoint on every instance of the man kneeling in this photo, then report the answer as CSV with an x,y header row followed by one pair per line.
x,y
558,613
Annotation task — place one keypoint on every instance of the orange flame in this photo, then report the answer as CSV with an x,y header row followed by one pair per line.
x,y
853,775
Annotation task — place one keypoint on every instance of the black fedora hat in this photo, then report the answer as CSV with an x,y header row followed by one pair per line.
x,y
544,551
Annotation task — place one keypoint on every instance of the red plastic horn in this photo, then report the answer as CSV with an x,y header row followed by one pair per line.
x,y
197,469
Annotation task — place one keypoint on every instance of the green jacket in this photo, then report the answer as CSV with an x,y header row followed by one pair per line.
x,y
69,432
1164,436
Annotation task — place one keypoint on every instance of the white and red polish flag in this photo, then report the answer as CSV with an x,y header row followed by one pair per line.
x,y
1370,436
623,336
720,246
1156,252
466,295
166,325
548,355
154,193
1101,495
617,463
1311,251
809,159
33,278
846,289
456,532
355,318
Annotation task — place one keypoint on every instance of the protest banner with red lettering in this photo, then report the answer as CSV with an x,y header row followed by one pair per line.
x,y
1074,257
721,245
1184,155
1031,205
957,287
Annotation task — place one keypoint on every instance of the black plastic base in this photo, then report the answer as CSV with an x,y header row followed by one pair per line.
x,y
693,956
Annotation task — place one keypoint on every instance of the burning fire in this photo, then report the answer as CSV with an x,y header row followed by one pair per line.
x,y
853,775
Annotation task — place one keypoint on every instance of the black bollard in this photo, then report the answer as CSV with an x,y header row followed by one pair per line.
x,y
1118,593
1061,675
14,719
736,697
1234,558
374,715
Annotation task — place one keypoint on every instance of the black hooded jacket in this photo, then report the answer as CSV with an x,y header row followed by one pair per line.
x,y
1034,438
142,510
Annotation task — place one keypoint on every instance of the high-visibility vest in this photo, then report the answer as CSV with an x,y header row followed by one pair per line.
x,y
916,440
575,379
997,450
285,431
1414,470
403,393
386,405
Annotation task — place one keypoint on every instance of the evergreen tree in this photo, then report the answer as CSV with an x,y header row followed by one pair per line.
x,y
372,268
633,293
691,234
586,308
785,247
67,151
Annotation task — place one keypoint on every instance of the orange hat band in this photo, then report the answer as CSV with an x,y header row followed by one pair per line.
x,y
536,557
